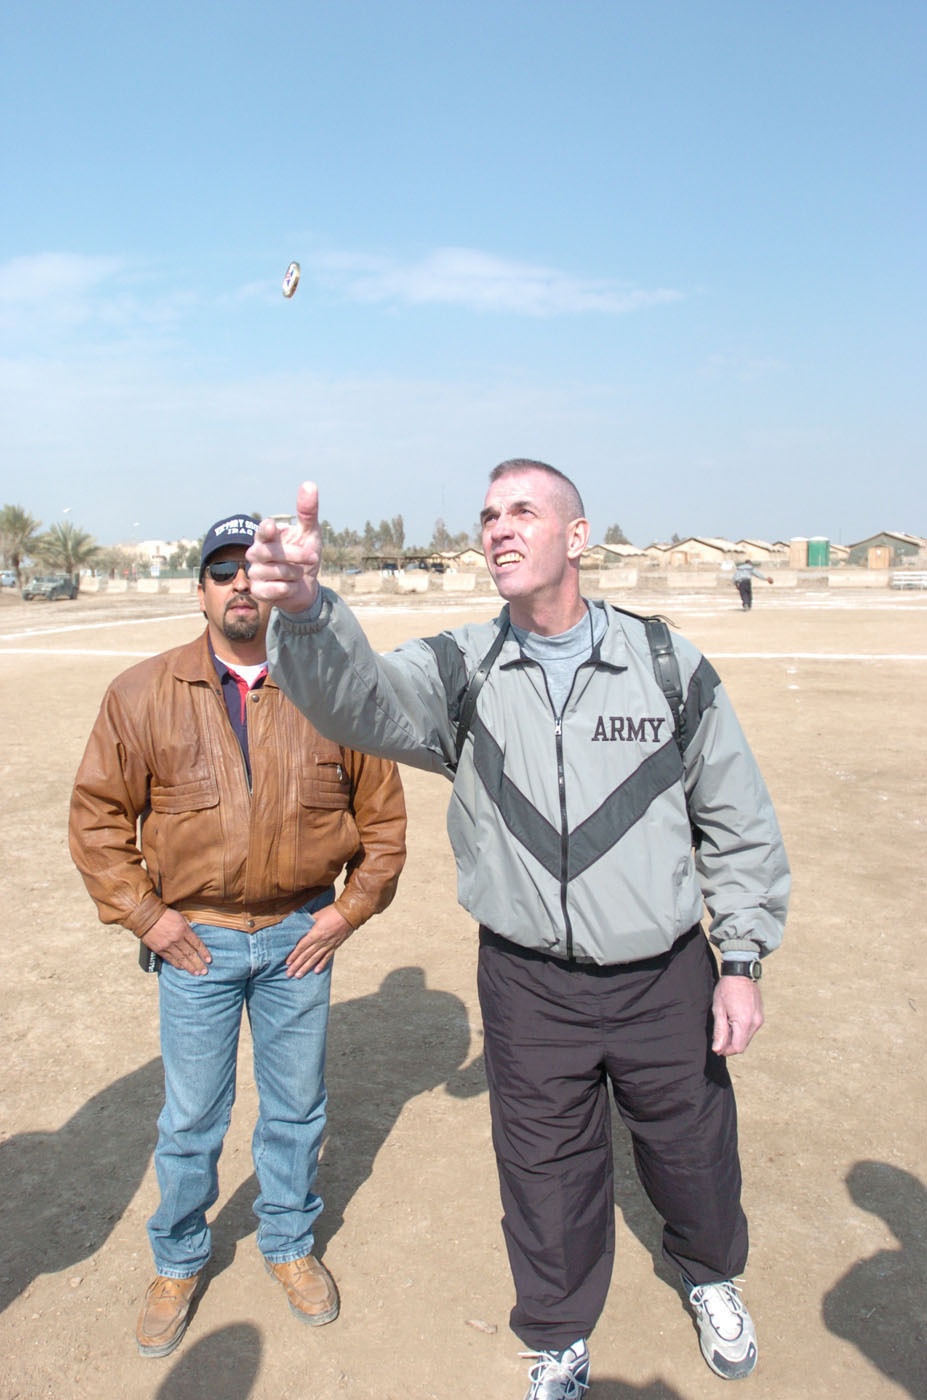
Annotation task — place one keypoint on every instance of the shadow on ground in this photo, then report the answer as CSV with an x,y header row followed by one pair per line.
x,y
383,1050
225,1363
879,1304
53,1213
622,1390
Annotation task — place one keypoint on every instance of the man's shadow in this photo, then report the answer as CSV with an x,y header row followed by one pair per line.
x,y
64,1191
606,1389
224,1363
878,1305
383,1050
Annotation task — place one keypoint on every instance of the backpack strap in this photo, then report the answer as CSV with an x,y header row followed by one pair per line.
x,y
468,705
666,670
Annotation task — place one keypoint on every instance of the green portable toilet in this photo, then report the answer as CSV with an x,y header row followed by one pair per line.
x,y
818,553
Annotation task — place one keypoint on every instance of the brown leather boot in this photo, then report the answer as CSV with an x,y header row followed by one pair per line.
x,y
165,1313
310,1289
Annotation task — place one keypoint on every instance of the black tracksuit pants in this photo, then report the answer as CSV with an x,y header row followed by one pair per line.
x,y
556,1035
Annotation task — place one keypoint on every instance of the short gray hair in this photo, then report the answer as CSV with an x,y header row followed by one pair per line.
x,y
571,501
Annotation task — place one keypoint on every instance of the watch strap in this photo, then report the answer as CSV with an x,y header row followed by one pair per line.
x,y
742,967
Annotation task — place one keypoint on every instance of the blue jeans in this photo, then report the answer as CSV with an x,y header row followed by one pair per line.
x,y
200,1025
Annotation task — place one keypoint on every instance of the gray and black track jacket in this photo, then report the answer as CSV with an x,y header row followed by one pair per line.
x,y
572,833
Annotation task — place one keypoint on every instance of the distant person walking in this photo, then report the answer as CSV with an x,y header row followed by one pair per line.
x,y
744,575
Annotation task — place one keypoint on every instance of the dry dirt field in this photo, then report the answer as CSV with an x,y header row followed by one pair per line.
x,y
831,691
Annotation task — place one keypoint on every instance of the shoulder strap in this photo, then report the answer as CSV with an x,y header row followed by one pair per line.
x,y
468,705
666,670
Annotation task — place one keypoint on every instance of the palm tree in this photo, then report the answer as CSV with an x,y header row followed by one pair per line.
x,y
67,547
18,536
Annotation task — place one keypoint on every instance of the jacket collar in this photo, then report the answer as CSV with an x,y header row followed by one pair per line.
x,y
193,663
611,651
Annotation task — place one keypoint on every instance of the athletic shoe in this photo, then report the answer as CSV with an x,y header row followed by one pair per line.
x,y
726,1332
559,1375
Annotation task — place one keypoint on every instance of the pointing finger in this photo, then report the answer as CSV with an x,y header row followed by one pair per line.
x,y
307,507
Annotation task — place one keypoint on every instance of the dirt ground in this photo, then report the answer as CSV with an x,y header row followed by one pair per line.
x,y
831,691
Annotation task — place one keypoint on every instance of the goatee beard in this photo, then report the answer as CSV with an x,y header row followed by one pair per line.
x,y
241,629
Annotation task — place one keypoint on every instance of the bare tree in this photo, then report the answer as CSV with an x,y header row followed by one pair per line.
x,y
441,539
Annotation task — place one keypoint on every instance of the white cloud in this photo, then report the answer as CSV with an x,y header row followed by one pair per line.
x,y
44,277
483,282
50,302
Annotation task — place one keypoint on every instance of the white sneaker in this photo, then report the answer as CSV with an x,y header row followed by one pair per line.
x,y
559,1375
726,1332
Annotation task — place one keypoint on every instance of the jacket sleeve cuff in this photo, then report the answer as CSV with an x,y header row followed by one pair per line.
x,y
312,619
144,916
737,948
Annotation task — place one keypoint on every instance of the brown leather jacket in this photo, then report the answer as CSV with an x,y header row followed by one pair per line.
x,y
162,814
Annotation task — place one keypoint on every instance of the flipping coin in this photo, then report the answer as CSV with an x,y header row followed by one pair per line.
x,y
291,279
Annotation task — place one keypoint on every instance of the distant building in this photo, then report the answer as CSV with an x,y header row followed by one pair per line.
x,y
760,551
696,550
605,556
889,549
469,558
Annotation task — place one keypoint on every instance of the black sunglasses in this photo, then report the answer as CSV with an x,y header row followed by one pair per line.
x,y
227,569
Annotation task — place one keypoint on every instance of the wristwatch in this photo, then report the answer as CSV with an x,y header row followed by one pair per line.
x,y
751,968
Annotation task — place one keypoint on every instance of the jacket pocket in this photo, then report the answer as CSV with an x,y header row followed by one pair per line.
x,y
322,782
194,796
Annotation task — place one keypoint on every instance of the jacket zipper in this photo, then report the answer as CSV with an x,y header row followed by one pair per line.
x,y
561,790
564,837
241,757
564,827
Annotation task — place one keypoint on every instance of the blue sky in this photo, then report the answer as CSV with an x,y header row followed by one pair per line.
x,y
676,249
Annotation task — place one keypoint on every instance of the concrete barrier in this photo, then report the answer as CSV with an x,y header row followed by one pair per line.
x,y
616,580
463,582
416,581
688,581
858,578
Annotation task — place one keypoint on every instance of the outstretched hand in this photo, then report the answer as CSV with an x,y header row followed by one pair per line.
x,y
285,563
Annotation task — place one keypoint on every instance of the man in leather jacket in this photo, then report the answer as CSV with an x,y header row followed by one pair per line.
x,y
211,819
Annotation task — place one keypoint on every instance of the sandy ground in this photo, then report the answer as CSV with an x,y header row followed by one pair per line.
x,y
831,691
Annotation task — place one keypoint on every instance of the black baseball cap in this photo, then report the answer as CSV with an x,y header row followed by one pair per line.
x,y
234,529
